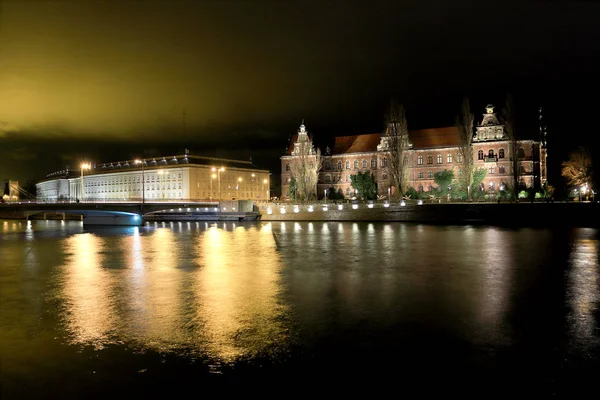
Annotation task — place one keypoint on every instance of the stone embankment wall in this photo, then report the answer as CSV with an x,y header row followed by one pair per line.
x,y
519,214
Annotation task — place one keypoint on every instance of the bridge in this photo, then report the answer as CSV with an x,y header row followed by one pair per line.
x,y
119,213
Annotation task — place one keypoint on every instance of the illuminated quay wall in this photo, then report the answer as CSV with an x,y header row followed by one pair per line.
x,y
167,178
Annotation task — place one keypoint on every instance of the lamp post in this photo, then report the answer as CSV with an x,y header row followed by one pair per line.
x,y
162,182
325,193
213,176
143,179
84,166
218,171
238,187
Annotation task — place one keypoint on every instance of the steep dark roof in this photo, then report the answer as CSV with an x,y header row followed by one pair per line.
x,y
356,143
435,137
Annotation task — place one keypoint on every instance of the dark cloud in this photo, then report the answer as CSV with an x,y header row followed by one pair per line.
x,y
77,78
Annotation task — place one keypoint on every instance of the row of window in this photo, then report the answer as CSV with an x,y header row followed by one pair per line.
x,y
439,159
133,179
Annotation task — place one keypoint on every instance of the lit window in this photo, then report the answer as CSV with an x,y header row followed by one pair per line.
x,y
347,164
355,164
491,170
459,158
480,155
429,159
439,159
449,158
373,163
364,163
420,160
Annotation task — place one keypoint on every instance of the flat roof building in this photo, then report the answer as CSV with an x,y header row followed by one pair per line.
x,y
180,177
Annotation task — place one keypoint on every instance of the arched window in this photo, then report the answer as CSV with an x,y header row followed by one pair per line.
x,y
491,186
348,192
480,155
355,164
521,153
327,178
373,163
439,159
420,175
429,159
459,158
521,170
501,153
287,167
501,170
339,165
449,158
430,188
347,164
420,160
491,153
364,163
420,188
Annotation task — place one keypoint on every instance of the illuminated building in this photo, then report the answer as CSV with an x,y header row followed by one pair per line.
x,y
163,178
429,151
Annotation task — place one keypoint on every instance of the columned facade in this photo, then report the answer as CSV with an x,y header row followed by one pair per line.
x,y
173,178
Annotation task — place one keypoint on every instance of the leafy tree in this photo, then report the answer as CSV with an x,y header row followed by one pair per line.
x,y
464,124
478,177
292,189
396,142
365,184
333,194
412,193
444,179
513,144
305,165
578,169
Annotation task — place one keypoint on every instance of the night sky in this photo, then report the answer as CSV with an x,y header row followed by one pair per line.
x,y
105,80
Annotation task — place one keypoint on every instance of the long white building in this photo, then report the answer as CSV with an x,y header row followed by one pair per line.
x,y
155,179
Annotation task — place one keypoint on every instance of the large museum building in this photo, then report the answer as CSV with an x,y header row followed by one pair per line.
x,y
430,151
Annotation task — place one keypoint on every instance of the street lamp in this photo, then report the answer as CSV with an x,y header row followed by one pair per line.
x,y
238,187
84,166
162,182
213,176
143,180
218,171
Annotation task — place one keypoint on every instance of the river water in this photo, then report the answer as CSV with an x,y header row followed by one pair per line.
x,y
353,308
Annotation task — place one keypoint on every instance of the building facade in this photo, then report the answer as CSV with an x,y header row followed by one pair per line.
x,y
179,178
429,152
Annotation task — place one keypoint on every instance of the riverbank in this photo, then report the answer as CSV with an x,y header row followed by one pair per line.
x,y
521,214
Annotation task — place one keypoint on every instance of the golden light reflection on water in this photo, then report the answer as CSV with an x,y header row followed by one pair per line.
x,y
237,290
217,294
583,287
88,291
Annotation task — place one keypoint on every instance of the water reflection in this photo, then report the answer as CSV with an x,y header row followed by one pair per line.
x,y
224,303
583,286
88,291
237,289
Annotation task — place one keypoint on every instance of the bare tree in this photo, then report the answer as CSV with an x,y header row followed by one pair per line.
x,y
578,169
464,123
513,145
305,166
397,144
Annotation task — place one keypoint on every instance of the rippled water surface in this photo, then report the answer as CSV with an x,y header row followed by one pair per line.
x,y
342,307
